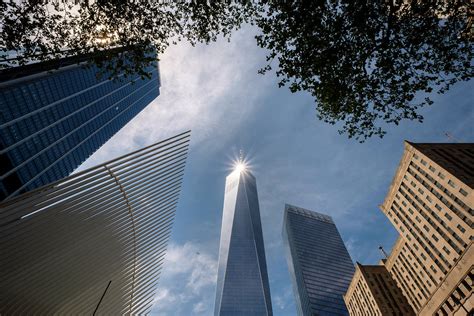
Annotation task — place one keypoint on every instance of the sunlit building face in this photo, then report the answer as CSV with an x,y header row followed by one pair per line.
x,y
242,282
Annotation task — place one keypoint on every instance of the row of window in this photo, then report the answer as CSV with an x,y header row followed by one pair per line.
x,y
458,297
19,100
34,175
434,225
403,282
398,211
441,175
361,302
69,115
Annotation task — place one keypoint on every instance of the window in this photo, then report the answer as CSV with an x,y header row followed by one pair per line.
x,y
451,183
435,238
431,168
461,228
446,250
423,162
441,175
462,192
429,199
448,216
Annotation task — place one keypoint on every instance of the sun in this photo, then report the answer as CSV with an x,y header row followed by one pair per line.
x,y
239,167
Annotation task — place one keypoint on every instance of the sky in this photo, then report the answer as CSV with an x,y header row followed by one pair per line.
x,y
214,90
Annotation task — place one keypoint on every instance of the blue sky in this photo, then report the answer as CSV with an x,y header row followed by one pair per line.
x,y
216,92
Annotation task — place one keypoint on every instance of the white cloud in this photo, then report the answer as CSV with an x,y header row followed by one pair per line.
x,y
188,277
351,244
189,259
164,296
209,93
199,308
214,91
211,90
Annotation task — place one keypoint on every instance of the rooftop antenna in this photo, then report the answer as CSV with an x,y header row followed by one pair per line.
x,y
383,252
241,155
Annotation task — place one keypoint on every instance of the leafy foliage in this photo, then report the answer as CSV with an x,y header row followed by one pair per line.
x,y
366,63
120,36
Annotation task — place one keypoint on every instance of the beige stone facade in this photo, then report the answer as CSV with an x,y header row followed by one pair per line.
x,y
431,204
373,292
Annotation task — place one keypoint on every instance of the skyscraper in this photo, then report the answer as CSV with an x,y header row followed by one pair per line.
x,y
92,243
53,120
320,266
242,280
374,292
431,204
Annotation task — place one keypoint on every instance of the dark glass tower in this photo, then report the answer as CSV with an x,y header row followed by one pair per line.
x,y
242,280
320,266
51,121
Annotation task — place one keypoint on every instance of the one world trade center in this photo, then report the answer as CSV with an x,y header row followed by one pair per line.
x,y
242,279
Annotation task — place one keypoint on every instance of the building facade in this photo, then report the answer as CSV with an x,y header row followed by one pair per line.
x,y
319,264
431,204
92,243
53,120
242,279
373,292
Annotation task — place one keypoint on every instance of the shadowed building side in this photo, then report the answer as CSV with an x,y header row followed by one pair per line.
x,y
319,264
94,242
374,292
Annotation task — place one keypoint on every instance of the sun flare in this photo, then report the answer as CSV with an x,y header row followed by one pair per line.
x,y
239,167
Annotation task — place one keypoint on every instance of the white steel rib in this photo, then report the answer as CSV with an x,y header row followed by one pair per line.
x,y
92,243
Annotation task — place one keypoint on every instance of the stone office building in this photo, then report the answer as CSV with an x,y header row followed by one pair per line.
x,y
430,202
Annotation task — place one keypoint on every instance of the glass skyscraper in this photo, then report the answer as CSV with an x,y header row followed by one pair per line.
x,y
320,266
242,279
53,120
